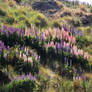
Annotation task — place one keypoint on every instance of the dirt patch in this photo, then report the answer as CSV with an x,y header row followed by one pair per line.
x,y
48,8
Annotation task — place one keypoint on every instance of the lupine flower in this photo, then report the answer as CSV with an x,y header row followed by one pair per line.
x,y
17,51
23,47
83,77
30,59
8,48
42,37
23,77
73,39
86,56
86,78
81,34
61,45
4,27
27,53
65,28
56,45
68,49
30,77
2,47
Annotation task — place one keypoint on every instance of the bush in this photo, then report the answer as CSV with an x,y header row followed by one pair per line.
x,y
2,12
57,24
21,86
9,20
40,22
18,1
67,86
81,42
89,85
76,22
21,67
38,19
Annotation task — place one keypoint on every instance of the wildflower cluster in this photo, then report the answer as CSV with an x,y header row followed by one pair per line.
x,y
24,77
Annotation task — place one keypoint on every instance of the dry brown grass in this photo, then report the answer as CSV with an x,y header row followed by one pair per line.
x,y
59,3
83,8
88,75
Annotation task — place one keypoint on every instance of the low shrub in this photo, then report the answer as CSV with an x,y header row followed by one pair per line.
x,y
21,86
2,12
21,67
9,20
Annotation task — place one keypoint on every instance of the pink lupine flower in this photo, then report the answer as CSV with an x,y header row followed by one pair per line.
x,y
17,51
80,52
75,53
44,36
74,50
58,45
50,31
25,58
27,32
20,54
73,39
30,59
52,44
86,56
55,33
64,44
69,39
46,33
75,47
32,30
66,35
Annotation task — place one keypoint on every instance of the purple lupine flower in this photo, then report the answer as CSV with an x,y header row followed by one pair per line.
x,y
68,49
78,31
2,47
30,77
35,33
61,44
4,27
32,40
0,30
23,47
8,48
83,77
42,37
6,33
32,53
65,28
71,28
56,45
74,31
37,38
27,53
86,78
23,76
81,34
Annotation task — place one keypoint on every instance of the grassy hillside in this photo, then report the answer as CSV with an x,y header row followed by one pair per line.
x,y
45,46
